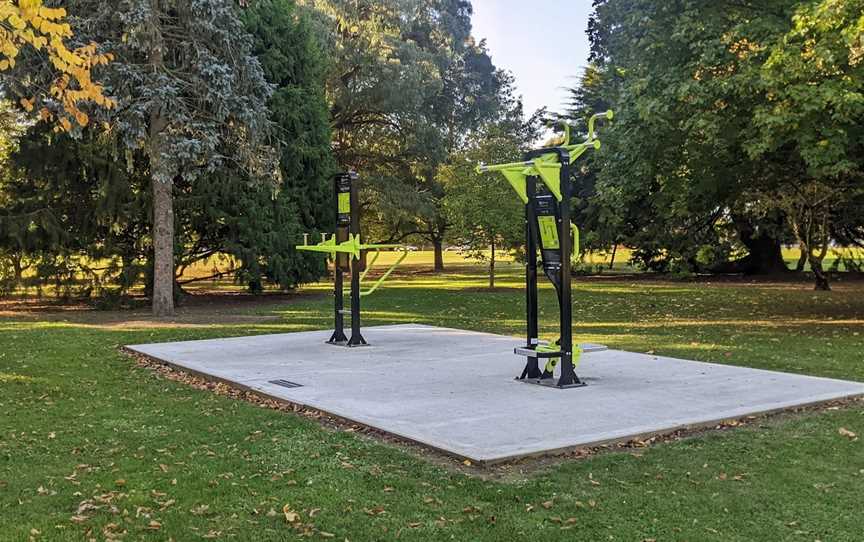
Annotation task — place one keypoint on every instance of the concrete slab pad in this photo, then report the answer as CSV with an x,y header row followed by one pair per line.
x,y
453,390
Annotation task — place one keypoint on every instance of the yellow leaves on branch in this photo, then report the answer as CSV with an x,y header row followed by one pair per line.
x,y
28,22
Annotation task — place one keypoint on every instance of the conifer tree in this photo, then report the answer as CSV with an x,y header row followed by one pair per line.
x,y
190,95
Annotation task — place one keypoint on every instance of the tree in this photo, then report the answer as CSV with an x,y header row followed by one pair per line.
x,y
683,77
484,214
44,29
813,116
84,206
407,84
190,96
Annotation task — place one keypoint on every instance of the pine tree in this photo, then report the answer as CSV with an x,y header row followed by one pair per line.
x,y
189,94
72,201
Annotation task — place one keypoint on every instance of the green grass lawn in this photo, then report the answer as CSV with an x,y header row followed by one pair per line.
x,y
91,446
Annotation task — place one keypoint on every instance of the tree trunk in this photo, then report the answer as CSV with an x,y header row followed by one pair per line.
x,y
492,268
817,258
163,248
17,267
822,284
438,244
766,255
802,260
162,182
614,253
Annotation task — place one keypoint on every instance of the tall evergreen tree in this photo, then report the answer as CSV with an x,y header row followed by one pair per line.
x,y
190,96
218,213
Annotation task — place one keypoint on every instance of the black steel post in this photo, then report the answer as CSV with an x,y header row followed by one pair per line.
x,y
356,338
338,336
532,368
568,374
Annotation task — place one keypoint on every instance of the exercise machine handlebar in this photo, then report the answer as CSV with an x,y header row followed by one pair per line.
x,y
592,134
484,168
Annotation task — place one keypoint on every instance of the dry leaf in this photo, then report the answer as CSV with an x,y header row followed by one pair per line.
x,y
290,515
200,510
377,511
847,433
547,505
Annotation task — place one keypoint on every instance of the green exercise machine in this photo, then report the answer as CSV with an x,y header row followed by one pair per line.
x,y
349,253
543,181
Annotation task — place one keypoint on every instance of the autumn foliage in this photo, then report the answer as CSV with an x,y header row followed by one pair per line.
x,y
29,23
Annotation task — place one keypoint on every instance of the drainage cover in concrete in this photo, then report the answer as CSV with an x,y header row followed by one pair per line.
x,y
454,391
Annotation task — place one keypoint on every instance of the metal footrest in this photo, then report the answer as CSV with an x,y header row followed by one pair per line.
x,y
530,352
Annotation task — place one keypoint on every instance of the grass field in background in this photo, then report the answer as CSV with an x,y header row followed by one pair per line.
x,y
93,447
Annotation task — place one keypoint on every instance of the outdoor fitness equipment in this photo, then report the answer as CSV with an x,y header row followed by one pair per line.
x,y
348,252
543,183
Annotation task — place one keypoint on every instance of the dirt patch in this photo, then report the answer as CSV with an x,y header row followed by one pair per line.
x,y
785,280
196,310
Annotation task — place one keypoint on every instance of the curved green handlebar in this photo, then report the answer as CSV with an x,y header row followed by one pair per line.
x,y
608,115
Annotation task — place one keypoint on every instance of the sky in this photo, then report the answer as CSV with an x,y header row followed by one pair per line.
x,y
542,42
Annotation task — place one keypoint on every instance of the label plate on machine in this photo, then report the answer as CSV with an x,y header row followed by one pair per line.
x,y
343,200
547,213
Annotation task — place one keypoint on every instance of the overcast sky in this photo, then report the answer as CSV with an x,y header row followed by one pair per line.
x,y
543,42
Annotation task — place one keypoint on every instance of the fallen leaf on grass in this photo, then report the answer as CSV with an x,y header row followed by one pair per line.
x,y
200,510
847,433
547,505
377,511
290,515
154,525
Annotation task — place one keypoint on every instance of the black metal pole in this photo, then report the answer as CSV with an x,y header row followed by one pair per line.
x,y
532,368
338,336
356,337
568,374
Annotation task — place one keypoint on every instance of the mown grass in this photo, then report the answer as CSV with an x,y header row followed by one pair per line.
x,y
155,459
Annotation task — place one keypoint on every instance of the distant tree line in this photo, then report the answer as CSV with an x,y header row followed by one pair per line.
x,y
228,120
191,130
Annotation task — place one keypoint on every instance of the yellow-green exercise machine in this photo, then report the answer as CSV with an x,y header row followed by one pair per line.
x,y
543,182
348,252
